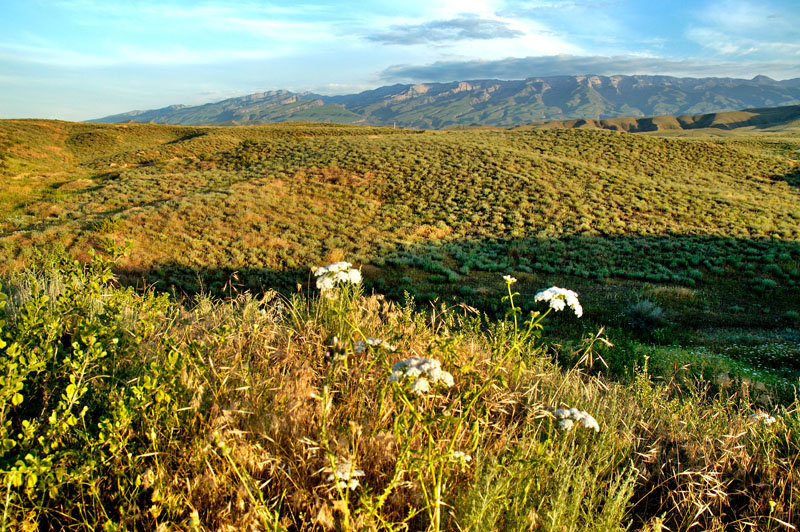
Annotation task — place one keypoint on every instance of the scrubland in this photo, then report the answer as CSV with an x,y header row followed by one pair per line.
x,y
196,378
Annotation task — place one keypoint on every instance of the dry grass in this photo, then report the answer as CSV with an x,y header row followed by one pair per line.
x,y
252,402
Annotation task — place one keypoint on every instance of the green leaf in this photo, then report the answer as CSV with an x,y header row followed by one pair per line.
x,y
70,391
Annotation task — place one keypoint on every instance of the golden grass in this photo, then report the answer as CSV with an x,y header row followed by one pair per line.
x,y
232,414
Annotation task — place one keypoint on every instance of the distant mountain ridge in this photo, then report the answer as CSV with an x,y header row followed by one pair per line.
x,y
489,102
786,117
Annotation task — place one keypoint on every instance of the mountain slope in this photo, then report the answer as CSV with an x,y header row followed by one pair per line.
x,y
273,106
775,118
489,102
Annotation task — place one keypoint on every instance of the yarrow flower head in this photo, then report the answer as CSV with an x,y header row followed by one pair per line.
x,y
361,345
763,417
509,279
460,456
345,476
332,274
422,373
567,417
559,298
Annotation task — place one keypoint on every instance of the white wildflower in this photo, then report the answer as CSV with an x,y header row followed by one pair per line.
x,y
446,378
420,386
354,276
345,476
333,268
763,417
559,298
565,424
350,484
569,416
423,372
509,279
412,373
332,274
361,345
460,456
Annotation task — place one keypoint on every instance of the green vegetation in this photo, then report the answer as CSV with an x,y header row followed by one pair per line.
x,y
125,411
235,392
620,217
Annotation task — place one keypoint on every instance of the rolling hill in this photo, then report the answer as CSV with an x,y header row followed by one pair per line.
x,y
686,252
770,118
169,362
428,212
488,102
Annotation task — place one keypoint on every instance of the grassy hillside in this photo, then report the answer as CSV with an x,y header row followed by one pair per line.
x,y
677,241
201,398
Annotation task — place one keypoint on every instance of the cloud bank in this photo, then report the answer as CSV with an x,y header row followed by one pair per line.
x,y
569,65
457,29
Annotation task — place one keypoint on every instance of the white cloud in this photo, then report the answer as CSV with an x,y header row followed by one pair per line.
x,y
736,15
522,67
587,26
127,55
261,31
330,89
715,40
176,55
266,24
51,55
452,8
739,27
479,33
726,44
462,28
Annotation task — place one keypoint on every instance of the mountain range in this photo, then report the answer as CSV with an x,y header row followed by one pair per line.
x,y
488,102
773,118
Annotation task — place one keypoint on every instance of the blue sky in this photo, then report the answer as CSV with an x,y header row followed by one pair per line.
x,y
81,59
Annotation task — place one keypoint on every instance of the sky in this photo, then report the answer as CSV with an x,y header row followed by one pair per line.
x,y
83,59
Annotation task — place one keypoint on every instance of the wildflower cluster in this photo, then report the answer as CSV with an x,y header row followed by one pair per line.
x,y
345,476
423,372
560,298
331,275
568,416
361,345
460,456
763,417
